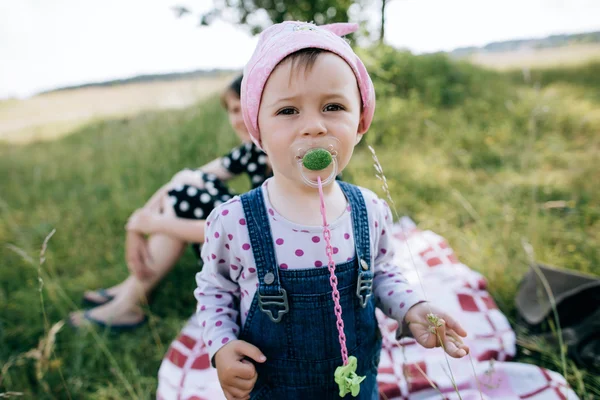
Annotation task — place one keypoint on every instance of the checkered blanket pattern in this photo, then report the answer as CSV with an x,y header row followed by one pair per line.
x,y
408,371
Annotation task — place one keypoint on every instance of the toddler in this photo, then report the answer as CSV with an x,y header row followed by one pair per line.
x,y
265,292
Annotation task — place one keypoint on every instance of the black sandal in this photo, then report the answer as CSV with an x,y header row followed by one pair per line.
x,y
92,303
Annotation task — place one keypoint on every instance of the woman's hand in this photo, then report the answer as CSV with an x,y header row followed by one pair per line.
x,y
432,327
137,255
237,375
145,220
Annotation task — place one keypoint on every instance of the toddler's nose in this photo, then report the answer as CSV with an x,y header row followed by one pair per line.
x,y
314,127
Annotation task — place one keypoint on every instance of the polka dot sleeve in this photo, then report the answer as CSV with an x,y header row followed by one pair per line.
x,y
218,291
393,294
237,159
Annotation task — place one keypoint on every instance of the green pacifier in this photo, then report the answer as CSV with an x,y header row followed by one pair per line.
x,y
317,159
315,155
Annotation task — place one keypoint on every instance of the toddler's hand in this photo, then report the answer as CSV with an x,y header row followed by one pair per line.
x,y
237,375
432,327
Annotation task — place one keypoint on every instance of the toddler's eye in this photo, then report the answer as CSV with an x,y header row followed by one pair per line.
x,y
333,107
286,111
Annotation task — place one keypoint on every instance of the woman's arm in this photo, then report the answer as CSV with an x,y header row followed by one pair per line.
x,y
194,177
188,230
156,200
150,222
224,168
216,168
189,177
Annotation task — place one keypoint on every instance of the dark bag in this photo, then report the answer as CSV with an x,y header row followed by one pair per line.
x,y
577,298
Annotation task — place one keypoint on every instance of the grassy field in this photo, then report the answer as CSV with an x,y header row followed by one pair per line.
x,y
51,115
539,58
484,159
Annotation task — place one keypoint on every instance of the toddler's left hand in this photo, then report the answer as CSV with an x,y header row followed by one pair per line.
x,y
432,327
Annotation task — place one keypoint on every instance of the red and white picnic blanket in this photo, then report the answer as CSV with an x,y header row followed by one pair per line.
x,y
407,370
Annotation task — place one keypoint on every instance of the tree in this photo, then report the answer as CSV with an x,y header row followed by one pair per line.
x,y
382,24
256,15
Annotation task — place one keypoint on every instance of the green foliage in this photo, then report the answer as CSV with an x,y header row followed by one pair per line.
x,y
585,76
485,163
252,13
85,186
433,79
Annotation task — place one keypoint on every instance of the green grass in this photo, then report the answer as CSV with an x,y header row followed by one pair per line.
x,y
584,76
477,165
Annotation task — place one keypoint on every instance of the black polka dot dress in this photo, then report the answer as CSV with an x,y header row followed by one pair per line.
x,y
192,202
248,159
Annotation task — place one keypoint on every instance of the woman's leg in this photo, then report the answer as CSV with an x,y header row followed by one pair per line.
x,y
131,293
186,202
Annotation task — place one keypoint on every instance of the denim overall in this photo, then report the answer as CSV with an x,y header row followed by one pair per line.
x,y
292,320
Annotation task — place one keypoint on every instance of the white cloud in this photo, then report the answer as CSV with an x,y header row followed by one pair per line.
x,y
46,44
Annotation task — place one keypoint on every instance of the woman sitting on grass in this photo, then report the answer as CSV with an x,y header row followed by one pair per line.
x,y
174,216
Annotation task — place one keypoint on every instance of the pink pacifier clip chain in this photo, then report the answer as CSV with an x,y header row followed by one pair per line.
x,y
332,278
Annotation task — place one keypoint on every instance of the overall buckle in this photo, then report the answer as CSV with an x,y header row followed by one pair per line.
x,y
364,285
280,300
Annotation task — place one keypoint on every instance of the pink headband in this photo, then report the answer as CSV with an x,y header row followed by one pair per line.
x,y
280,40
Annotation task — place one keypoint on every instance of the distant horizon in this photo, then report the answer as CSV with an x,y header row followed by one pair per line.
x,y
516,39
129,78
50,45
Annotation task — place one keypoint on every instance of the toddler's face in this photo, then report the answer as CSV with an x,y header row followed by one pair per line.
x,y
301,104
234,111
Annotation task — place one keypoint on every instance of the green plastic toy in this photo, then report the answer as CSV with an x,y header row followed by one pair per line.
x,y
346,378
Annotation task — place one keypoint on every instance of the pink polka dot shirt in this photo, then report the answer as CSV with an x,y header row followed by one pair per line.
x,y
228,280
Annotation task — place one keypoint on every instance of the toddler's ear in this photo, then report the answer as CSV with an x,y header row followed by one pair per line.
x,y
361,126
359,137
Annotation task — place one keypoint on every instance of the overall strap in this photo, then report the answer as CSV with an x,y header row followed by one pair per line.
x,y
272,298
362,241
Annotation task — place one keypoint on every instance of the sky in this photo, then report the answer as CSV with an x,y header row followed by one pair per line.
x,y
45,44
